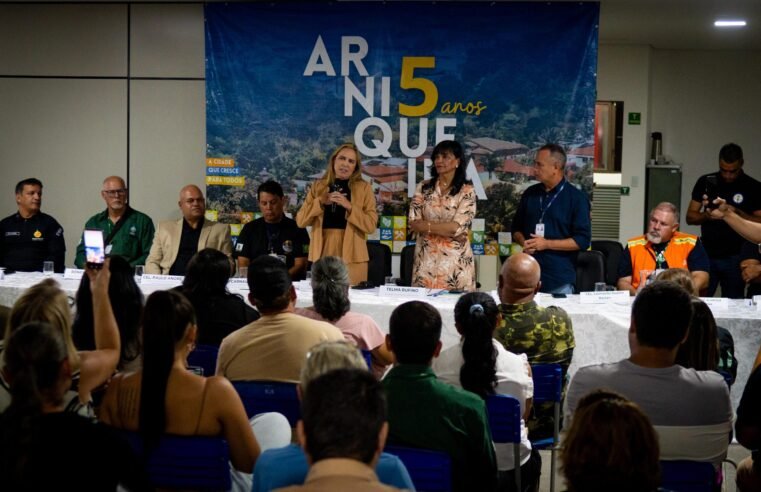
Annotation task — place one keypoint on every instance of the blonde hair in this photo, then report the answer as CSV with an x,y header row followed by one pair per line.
x,y
330,174
680,277
44,302
329,356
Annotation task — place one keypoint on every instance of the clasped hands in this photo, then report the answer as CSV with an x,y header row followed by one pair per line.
x,y
536,243
336,197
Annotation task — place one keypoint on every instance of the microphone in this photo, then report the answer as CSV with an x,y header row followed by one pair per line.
x,y
334,187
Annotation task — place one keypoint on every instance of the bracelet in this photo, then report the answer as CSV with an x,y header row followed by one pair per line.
x,y
429,227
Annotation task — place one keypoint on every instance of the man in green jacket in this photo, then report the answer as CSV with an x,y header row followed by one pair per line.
x,y
126,232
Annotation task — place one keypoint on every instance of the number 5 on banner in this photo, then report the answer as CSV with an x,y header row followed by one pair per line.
x,y
409,81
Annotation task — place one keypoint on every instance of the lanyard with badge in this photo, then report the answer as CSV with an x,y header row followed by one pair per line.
x,y
539,232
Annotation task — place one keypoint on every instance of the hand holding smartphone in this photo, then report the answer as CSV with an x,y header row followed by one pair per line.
x,y
711,190
95,251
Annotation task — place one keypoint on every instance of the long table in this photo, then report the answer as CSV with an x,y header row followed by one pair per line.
x,y
601,330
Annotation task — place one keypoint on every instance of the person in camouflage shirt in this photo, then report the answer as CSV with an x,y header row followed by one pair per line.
x,y
545,335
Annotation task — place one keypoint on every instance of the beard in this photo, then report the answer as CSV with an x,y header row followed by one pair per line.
x,y
654,237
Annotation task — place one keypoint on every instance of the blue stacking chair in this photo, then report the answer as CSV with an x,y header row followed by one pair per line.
x,y
269,396
205,358
185,462
688,476
430,471
368,358
505,424
548,386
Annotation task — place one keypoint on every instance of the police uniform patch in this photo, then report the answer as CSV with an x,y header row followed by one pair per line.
x,y
738,198
288,246
239,247
37,234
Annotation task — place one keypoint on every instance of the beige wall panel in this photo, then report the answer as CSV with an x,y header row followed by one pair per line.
x,y
70,134
167,41
167,142
78,40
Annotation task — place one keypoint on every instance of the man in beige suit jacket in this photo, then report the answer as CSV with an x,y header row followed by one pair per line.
x,y
176,241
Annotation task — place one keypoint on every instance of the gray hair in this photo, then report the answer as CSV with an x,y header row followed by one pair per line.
x,y
668,207
330,288
329,356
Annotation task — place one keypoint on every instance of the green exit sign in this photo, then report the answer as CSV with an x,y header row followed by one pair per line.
x,y
635,118
625,190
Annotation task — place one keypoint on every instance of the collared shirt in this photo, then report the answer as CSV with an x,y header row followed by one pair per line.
x,y
424,412
188,247
26,243
743,193
564,211
260,238
341,475
132,241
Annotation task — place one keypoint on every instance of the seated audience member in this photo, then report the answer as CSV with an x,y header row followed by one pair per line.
x,y
176,241
424,412
750,267
690,409
610,446
342,458
748,428
164,397
127,304
218,312
481,365
126,232
274,346
286,466
699,349
29,237
44,447
90,369
662,247
273,233
545,335
330,295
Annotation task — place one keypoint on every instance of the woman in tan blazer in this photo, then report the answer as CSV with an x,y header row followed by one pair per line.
x,y
341,209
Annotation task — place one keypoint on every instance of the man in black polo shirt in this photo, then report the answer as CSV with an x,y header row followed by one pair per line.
x,y
273,234
29,237
721,242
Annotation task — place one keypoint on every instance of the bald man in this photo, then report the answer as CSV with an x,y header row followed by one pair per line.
x,y
545,335
127,232
176,241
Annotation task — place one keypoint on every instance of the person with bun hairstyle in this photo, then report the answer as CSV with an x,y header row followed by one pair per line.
x,y
481,365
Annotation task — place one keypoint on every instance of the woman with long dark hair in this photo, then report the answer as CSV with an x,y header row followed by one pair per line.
x,y
127,304
218,312
441,214
42,446
340,207
481,365
164,397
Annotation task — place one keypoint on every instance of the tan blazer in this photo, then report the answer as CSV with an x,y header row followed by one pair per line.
x,y
362,220
166,243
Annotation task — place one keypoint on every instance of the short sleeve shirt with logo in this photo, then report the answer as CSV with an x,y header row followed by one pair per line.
x,y
26,243
283,238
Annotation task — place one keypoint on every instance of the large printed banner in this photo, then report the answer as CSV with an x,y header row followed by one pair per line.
x,y
289,82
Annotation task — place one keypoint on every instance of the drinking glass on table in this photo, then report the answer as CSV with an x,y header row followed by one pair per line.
x,y
48,268
599,286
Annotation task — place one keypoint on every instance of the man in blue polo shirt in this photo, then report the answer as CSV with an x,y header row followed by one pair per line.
x,y
553,221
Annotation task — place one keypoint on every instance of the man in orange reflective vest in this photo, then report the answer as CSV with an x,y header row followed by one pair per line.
x,y
663,246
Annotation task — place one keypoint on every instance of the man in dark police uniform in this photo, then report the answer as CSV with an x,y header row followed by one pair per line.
x,y
273,234
29,237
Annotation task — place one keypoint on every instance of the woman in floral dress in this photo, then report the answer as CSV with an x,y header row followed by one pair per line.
x,y
441,214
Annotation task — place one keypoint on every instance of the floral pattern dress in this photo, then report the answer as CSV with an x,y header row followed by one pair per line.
x,y
444,262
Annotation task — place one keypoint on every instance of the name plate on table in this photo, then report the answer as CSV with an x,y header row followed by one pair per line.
x,y
605,296
238,283
716,303
399,291
757,302
149,279
73,274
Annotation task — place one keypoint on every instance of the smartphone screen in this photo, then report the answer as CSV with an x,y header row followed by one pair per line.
x,y
95,253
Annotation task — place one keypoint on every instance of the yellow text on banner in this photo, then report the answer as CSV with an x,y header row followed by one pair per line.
x,y
226,180
220,162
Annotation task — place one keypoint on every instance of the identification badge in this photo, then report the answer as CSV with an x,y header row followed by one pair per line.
x,y
108,249
539,231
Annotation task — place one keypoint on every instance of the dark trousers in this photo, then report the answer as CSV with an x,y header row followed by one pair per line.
x,y
530,473
726,271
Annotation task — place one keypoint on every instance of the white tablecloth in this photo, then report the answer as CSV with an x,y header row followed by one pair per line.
x,y
601,330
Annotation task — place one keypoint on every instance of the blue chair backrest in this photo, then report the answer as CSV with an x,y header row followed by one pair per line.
x,y
430,471
205,357
185,462
548,382
504,418
688,476
368,358
269,396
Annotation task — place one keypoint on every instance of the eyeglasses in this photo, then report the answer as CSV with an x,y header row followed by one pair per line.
x,y
113,193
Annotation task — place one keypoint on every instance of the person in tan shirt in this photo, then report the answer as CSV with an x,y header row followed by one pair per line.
x,y
273,347
343,458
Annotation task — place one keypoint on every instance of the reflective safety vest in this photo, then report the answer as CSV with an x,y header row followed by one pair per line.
x,y
643,254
